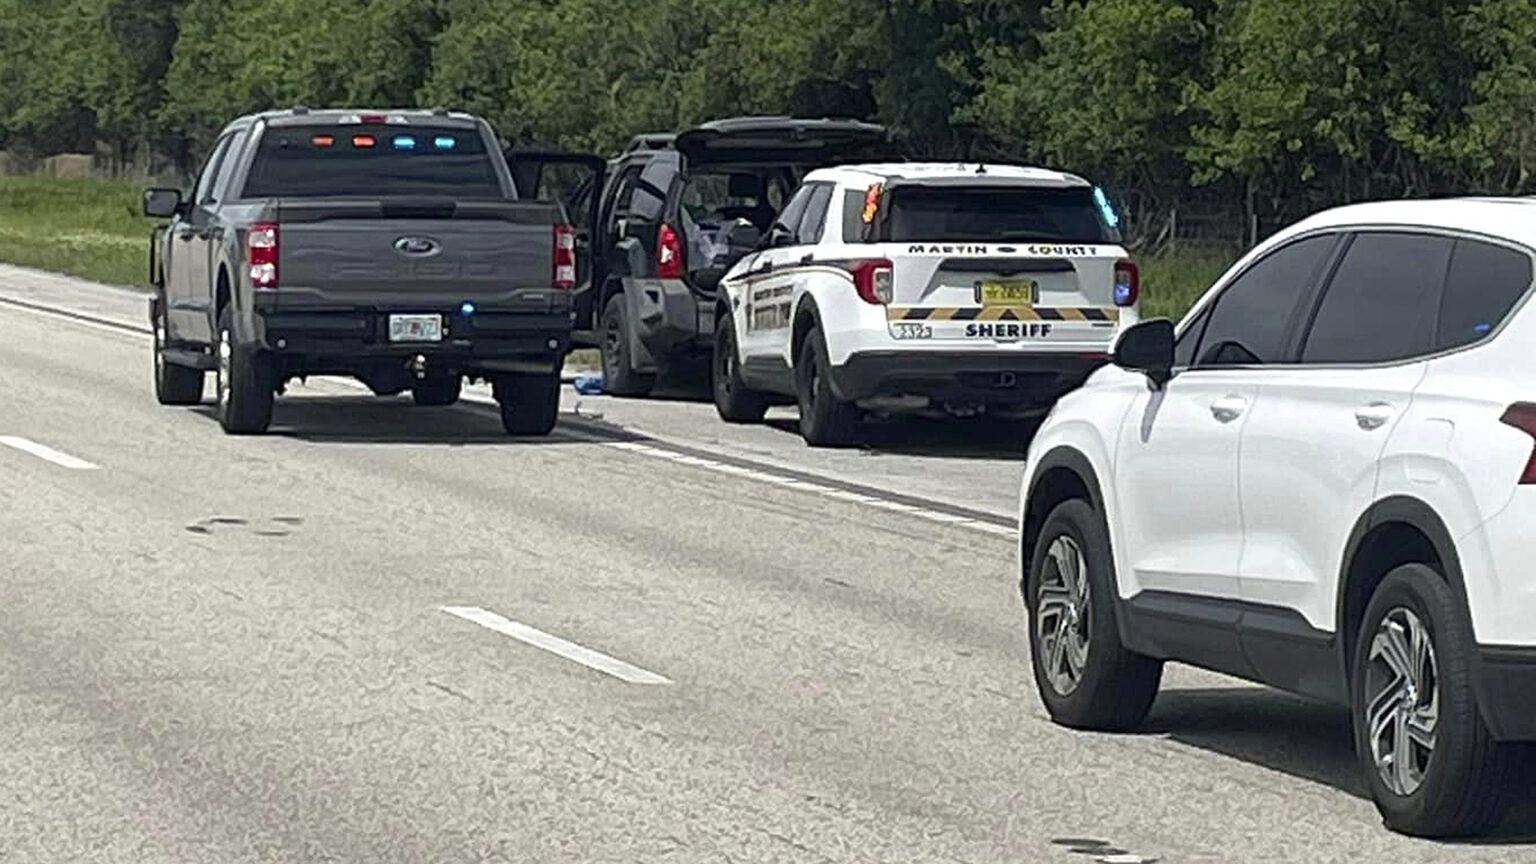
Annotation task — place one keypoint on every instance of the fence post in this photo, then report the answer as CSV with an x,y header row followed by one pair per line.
x,y
1253,230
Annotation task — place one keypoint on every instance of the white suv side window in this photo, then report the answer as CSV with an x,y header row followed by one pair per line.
x,y
1382,301
1250,321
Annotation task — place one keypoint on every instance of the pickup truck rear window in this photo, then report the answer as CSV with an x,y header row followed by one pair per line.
x,y
371,161
974,214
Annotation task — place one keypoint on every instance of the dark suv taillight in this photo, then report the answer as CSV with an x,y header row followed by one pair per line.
x,y
669,253
565,257
1522,416
261,255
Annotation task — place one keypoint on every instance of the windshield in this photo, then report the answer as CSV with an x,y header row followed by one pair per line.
x,y
996,214
372,161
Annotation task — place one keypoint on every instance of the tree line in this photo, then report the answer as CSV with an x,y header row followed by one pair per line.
x,y
1225,107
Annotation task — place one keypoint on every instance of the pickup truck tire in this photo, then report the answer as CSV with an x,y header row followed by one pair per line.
x,y
619,378
245,386
736,402
174,385
825,420
530,403
437,390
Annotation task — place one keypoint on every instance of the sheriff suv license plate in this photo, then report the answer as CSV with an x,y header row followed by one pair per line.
x,y
1010,292
415,328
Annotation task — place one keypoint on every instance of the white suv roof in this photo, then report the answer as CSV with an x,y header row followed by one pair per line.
x,y
865,174
1508,218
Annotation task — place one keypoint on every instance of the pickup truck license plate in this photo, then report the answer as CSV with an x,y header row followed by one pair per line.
x,y
415,328
1013,292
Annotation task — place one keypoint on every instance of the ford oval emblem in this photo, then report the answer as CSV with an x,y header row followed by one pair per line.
x,y
418,247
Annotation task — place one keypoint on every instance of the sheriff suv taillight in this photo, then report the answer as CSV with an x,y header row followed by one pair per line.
x,y
565,257
1522,416
261,255
1127,283
873,279
669,253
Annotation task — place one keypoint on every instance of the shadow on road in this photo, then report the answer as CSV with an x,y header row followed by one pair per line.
x,y
948,439
375,420
1296,736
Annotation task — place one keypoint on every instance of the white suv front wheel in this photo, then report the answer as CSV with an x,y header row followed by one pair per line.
x,y
1086,677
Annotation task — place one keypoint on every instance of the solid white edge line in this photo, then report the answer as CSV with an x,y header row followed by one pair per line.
x,y
555,645
48,454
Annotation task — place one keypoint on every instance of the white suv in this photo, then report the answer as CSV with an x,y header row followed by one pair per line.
x,y
1323,481
952,289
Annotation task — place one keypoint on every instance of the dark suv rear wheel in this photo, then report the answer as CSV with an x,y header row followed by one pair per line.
x,y
618,377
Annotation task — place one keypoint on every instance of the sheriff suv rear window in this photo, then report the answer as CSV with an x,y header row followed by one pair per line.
x,y
1004,214
372,161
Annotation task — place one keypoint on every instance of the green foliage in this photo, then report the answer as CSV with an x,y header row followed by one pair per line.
x,y
1273,108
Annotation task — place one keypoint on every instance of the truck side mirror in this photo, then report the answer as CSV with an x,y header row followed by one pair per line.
x,y
162,203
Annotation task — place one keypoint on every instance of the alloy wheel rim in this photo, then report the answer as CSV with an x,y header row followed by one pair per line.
x,y
159,346
1063,615
614,344
1402,709
726,367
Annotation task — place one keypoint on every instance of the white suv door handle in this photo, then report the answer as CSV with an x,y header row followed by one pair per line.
x,y
1228,408
1374,415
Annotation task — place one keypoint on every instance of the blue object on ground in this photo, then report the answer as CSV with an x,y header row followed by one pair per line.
x,y
588,384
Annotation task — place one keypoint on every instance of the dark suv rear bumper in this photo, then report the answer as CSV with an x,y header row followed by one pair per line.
x,y
483,340
992,377
1507,692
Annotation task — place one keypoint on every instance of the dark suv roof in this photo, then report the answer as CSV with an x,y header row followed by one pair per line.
x,y
776,139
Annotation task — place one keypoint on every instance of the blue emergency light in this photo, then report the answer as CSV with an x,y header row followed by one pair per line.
x,y
1108,211
444,142
405,142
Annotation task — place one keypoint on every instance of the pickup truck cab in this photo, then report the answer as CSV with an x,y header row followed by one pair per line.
x,y
947,289
389,246
664,221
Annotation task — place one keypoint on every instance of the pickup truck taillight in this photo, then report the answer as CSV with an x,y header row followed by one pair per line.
x,y
669,253
1127,283
261,254
873,280
565,257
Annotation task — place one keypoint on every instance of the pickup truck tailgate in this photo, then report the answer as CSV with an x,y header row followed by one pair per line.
x,y
401,255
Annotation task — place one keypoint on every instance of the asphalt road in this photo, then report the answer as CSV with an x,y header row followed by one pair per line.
x,y
390,634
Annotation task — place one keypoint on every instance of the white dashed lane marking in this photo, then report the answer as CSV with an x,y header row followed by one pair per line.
x,y
555,645
48,454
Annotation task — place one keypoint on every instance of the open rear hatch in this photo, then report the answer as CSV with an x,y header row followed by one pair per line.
x,y
793,141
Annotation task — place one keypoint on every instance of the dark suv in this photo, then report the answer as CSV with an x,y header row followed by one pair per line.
x,y
673,213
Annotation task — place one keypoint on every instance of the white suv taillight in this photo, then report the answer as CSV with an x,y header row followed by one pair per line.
x,y
261,255
565,257
1127,283
1522,416
874,280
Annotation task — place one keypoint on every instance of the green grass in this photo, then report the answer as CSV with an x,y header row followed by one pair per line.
x,y
83,227
1172,283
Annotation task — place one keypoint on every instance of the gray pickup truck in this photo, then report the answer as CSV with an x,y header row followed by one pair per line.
x,y
389,246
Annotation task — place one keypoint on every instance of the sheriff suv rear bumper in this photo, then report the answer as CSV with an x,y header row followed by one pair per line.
x,y
991,377
483,337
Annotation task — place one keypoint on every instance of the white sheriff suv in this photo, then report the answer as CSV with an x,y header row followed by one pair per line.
x,y
949,289
1322,480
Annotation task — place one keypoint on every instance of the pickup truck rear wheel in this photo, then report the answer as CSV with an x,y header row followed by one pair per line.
x,y
174,385
825,420
736,402
618,378
530,403
245,386
437,390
